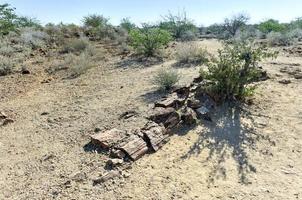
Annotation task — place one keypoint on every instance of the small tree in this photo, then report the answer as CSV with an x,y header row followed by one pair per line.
x,y
95,21
178,25
271,25
96,26
7,19
148,41
28,22
235,23
235,68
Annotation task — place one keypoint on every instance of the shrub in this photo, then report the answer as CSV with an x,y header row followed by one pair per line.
x,y
33,38
81,64
248,32
188,36
95,21
295,33
6,66
76,45
70,30
165,79
97,26
56,36
279,39
6,48
127,24
271,25
235,68
148,41
191,53
296,24
232,25
178,24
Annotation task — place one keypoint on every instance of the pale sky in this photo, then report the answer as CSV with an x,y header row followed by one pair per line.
x,y
203,12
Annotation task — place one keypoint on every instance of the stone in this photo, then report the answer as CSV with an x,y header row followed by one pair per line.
x,y
204,113
198,79
160,114
79,177
24,70
156,135
108,138
44,113
134,146
3,115
111,163
117,153
7,121
172,100
128,114
194,103
107,176
298,76
189,116
176,99
284,81
205,99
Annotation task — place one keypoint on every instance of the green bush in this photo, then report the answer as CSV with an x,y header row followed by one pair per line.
x,y
165,79
271,25
191,53
148,41
178,25
235,68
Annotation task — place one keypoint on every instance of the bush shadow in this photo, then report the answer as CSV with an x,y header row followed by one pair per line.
x,y
227,134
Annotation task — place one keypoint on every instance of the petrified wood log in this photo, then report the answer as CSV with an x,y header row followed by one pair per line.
x,y
108,138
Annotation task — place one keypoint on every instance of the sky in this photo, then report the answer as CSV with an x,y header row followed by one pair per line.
x,y
203,12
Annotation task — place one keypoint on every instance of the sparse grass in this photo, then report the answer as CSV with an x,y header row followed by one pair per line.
x,y
165,79
191,53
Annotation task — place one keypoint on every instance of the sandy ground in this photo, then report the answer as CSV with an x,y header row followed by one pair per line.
x,y
252,153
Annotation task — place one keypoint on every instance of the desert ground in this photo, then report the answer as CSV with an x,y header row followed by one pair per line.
x,y
249,153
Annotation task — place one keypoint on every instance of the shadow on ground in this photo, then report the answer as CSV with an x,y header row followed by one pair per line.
x,y
137,62
227,136
153,96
